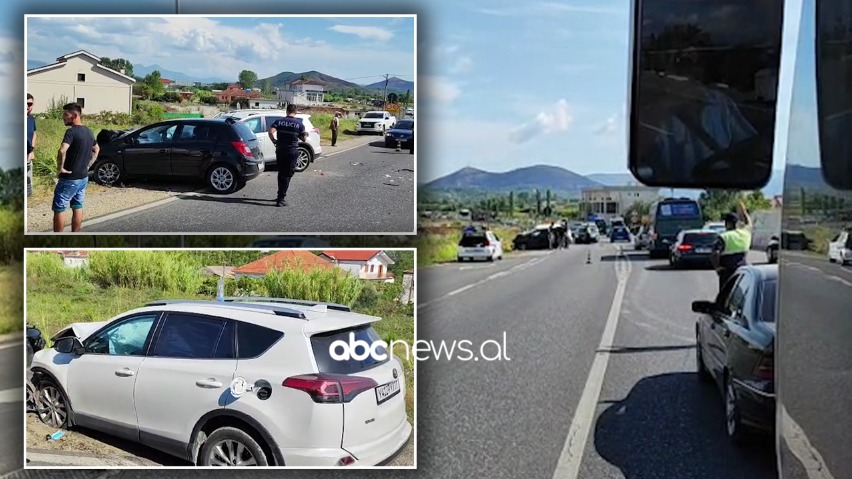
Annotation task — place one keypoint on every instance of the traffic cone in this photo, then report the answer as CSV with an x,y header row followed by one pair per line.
x,y
398,145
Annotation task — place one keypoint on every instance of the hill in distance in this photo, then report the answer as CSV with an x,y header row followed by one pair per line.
x,y
543,177
394,83
141,70
329,82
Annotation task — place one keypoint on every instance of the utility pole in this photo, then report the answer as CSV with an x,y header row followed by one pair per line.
x,y
385,96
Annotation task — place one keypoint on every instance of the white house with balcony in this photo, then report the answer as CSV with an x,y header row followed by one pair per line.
x,y
302,92
369,265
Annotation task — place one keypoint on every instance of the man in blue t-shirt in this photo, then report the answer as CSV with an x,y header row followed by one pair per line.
x,y
31,141
290,130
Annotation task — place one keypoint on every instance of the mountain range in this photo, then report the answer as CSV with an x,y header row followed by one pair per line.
x,y
566,182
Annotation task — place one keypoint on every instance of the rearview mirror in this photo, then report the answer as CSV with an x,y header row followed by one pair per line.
x,y
69,345
834,101
703,307
704,79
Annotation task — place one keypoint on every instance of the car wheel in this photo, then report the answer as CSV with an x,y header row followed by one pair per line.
x,y
733,424
223,179
703,373
107,172
54,407
229,446
304,160
460,259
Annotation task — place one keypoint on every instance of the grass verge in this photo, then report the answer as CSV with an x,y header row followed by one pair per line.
x,y
12,285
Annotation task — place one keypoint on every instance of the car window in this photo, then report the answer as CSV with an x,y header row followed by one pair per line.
x,y
126,338
254,340
255,124
767,300
724,294
321,345
194,133
190,336
157,134
473,241
736,301
244,132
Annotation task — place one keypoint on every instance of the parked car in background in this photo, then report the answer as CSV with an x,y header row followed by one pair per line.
x,y
170,368
536,238
586,234
772,250
735,336
478,243
693,248
840,249
222,152
259,122
402,133
717,226
375,122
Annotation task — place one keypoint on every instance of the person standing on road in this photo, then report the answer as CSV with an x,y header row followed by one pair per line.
x,y
76,153
31,141
335,125
290,130
732,246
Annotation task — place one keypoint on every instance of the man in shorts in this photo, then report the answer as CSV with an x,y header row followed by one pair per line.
x,y
76,153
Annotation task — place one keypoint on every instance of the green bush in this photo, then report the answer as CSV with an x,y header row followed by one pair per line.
x,y
145,113
165,271
11,238
315,285
45,265
368,298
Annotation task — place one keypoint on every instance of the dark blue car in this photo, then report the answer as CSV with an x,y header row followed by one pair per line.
x,y
619,233
401,133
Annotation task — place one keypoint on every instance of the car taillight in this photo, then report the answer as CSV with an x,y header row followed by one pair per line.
x,y
346,461
330,388
765,369
242,148
684,247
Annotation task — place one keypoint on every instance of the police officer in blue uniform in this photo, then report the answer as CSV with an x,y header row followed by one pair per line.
x,y
290,130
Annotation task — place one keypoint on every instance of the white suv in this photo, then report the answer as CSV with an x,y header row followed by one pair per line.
x,y
243,382
259,122
479,244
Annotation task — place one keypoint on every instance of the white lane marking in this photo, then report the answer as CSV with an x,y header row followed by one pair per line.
x,y
481,266
568,466
12,395
801,447
839,280
492,277
11,345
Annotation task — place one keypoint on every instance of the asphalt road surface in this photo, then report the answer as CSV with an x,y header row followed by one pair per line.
x,y
365,189
11,406
600,379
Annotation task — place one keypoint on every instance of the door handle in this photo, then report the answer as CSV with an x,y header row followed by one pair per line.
x,y
125,373
208,383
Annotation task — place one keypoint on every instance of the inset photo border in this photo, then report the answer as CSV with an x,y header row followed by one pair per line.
x,y
176,128
286,358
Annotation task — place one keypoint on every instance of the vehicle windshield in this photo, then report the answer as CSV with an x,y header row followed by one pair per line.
x,y
374,115
404,125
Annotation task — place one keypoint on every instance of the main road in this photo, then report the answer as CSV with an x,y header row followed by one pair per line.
x,y
363,189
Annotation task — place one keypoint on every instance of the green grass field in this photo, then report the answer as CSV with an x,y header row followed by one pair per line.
x,y
12,285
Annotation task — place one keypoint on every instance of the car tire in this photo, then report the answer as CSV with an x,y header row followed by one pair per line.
x,y
305,159
703,374
223,179
460,259
734,426
238,447
54,403
107,172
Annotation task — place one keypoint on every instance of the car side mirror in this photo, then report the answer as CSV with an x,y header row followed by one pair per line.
x,y
703,307
69,346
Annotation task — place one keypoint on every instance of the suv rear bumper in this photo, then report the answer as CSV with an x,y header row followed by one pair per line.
x,y
367,455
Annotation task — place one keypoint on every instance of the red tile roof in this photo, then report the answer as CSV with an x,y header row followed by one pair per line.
x,y
351,255
304,260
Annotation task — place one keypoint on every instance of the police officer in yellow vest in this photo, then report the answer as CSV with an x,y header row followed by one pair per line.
x,y
733,244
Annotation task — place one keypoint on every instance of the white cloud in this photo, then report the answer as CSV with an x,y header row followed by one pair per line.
x,y
610,126
462,65
439,89
556,119
375,33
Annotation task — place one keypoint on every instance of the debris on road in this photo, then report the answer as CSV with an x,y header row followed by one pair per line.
x,y
55,436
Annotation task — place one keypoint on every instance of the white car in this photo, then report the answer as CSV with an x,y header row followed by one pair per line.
x,y
840,249
259,122
375,122
242,382
717,226
479,244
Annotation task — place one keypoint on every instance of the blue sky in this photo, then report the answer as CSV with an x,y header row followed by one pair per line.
x,y
350,48
503,84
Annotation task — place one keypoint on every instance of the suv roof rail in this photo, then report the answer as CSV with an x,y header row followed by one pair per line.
x,y
301,302
271,308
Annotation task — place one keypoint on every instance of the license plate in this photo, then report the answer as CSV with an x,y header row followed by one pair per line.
x,y
387,391
260,167
702,250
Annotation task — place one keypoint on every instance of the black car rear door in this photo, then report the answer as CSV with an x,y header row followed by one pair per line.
x,y
193,149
